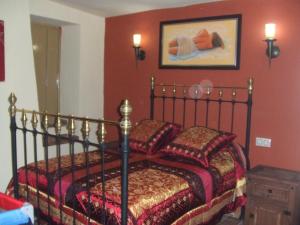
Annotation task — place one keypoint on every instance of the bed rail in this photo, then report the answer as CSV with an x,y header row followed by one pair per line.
x,y
42,130
212,100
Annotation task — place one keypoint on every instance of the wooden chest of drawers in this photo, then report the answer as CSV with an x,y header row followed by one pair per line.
x,y
273,197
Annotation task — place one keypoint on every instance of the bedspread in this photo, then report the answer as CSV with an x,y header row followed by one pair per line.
x,y
162,189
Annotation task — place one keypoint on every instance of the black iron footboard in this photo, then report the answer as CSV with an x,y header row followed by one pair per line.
x,y
43,131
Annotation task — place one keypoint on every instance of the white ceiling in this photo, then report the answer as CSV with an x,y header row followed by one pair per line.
x,y
109,8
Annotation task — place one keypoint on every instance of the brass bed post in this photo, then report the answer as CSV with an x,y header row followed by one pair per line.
x,y
58,128
13,130
34,124
125,126
101,132
24,130
45,126
248,126
71,127
85,131
152,96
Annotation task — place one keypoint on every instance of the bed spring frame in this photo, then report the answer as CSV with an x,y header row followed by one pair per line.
x,y
124,125
206,99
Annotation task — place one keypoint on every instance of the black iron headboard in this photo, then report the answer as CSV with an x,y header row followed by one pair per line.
x,y
208,96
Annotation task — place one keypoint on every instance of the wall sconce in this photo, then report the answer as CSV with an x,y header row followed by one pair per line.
x,y
272,51
139,53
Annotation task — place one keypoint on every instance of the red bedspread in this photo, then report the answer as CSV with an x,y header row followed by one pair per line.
x,y
162,189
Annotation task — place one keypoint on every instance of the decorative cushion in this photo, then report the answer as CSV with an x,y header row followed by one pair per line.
x,y
197,142
150,135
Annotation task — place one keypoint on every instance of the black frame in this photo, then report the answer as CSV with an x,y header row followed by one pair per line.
x,y
207,101
216,67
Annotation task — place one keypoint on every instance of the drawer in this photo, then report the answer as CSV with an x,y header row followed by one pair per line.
x,y
260,212
270,190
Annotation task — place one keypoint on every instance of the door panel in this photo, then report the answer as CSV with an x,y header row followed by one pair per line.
x,y
46,49
53,68
39,42
260,213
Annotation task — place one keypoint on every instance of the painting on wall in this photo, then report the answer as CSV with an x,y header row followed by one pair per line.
x,y
2,51
203,43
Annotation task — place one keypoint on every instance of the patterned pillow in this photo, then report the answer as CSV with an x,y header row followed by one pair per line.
x,y
197,142
150,135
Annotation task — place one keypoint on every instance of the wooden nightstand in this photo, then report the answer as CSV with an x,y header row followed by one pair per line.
x,y
273,197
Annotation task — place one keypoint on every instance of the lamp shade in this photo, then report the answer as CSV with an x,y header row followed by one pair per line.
x,y
270,31
137,40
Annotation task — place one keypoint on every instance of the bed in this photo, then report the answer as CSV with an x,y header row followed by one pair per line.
x,y
113,185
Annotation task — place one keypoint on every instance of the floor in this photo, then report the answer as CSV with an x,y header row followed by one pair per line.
x,y
227,220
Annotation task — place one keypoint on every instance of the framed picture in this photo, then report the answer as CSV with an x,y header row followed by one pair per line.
x,y
203,43
2,51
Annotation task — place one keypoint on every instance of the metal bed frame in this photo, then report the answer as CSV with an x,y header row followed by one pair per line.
x,y
159,92
124,125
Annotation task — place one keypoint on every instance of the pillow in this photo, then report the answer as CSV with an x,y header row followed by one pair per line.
x,y
197,142
150,135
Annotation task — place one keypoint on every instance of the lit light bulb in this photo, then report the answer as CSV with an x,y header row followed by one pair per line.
x,y
270,31
137,40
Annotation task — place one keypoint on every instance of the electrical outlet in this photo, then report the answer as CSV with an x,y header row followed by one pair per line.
x,y
263,142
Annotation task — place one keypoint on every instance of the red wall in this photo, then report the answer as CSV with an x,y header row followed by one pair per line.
x,y
276,107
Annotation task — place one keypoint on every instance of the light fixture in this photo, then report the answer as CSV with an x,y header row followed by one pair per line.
x,y
272,51
139,53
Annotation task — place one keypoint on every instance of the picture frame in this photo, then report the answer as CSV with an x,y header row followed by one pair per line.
x,y
201,43
2,65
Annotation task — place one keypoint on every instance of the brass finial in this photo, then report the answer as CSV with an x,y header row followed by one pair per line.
x,y
125,123
101,132
12,108
184,91
220,93
233,93
24,118
85,129
196,93
71,126
208,91
250,85
164,90
174,90
58,124
34,120
152,82
45,122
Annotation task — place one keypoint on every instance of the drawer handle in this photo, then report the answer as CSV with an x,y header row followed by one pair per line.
x,y
270,191
251,215
286,212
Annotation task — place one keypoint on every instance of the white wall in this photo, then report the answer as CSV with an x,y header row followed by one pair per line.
x,y
86,91
88,95
19,74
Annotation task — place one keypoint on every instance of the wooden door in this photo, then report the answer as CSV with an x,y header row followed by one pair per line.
x,y
46,50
